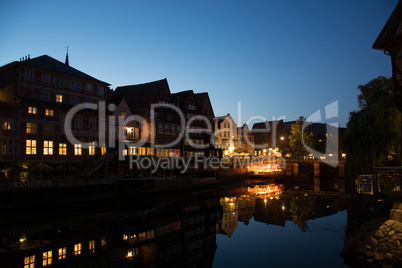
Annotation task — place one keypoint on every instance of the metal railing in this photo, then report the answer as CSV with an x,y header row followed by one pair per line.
x,y
383,179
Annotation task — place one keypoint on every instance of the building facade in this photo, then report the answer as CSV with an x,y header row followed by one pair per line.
x,y
36,97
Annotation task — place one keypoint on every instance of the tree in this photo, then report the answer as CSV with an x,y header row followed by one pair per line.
x,y
297,135
374,130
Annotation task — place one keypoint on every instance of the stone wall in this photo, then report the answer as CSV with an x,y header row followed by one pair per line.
x,y
377,243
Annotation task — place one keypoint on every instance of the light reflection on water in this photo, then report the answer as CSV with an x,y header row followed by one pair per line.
x,y
231,227
261,245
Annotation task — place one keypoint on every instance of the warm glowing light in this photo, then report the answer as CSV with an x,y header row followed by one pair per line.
x,y
282,138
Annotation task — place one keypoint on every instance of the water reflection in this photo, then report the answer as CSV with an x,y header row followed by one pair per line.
x,y
186,230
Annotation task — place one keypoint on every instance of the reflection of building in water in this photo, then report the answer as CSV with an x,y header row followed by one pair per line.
x,y
246,209
230,215
182,233
271,211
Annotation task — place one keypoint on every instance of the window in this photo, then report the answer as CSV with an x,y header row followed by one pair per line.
x,y
47,258
48,129
62,119
59,81
160,128
45,78
30,147
101,90
88,87
29,75
6,124
74,100
167,129
77,149
169,117
32,128
74,85
32,110
103,148
92,246
59,98
44,96
62,148
178,130
7,146
132,150
29,262
123,114
47,147
78,122
49,112
191,107
92,148
62,253
92,123
77,249
172,128
103,242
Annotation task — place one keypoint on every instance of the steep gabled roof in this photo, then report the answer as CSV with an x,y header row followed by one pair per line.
x,y
202,99
51,64
181,98
263,125
391,32
141,95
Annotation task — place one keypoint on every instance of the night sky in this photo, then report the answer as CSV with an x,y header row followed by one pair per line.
x,y
280,59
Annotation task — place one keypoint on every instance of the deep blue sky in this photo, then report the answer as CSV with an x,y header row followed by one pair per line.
x,y
279,58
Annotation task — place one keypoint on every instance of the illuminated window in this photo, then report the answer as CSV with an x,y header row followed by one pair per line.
x,y
123,114
92,246
48,147
47,258
32,128
125,152
62,253
132,150
30,147
92,148
6,124
77,149
49,112
77,249
125,237
62,148
7,146
103,242
59,98
29,262
103,150
32,110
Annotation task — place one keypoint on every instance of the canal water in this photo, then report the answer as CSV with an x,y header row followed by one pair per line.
x,y
262,226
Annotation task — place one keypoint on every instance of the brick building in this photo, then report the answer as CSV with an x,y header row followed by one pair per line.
x,y
36,95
